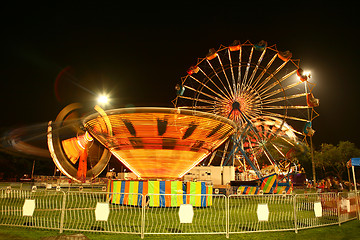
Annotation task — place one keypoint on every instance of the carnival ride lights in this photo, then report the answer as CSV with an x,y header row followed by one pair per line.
x,y
152,142
246,91
276,136
74,151
160,142
252,84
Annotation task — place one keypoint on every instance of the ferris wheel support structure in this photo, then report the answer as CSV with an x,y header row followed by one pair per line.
x,y
238,147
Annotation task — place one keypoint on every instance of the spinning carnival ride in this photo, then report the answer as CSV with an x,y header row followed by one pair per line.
x,y
264,91
152,142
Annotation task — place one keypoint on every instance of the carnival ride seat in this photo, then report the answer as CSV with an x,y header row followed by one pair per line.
x,y
311,100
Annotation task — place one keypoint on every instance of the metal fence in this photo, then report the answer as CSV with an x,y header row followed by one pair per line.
x,y
95,212
316,209
174,213
348,206
31,208
257,213
209,216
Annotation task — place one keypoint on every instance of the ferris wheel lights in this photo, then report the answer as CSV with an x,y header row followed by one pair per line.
x,y
260,46
179,89
308,131
303,75
308,74
193,69
212,54
235,46
285,56
258,80
311,100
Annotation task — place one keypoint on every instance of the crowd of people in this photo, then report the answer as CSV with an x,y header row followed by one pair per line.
x,y
331,184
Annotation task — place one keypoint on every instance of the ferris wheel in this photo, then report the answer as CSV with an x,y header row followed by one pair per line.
x,y
258,87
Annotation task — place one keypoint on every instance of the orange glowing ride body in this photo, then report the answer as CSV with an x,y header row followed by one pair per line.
x,y
81,174
159,142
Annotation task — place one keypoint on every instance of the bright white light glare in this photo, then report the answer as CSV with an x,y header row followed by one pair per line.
x,y
307,73
103,99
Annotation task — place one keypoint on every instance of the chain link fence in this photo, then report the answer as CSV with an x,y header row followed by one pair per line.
x,y
174,213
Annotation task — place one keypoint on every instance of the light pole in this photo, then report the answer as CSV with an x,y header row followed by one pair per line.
x,y
312,159
308,75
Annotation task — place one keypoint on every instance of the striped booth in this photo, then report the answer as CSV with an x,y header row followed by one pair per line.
x,y
282,188
194,189
268,185
160,193
127,192
250,190
165,187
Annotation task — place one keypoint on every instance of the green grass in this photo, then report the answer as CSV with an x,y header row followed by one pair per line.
x,y
349,230
80,214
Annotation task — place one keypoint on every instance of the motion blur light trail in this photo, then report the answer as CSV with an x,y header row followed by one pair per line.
x,y
29,140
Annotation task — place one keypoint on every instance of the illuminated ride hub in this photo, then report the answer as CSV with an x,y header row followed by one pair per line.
x,y
159,142
154,143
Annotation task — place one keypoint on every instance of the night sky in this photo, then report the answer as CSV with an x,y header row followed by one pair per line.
x,y
139,52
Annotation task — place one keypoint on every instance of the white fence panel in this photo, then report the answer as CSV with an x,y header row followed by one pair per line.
x,y
103,212
209,214
256,213
38,209
347,206
316,209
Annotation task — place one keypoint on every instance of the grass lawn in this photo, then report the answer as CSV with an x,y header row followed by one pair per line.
x,y
80,215
349,230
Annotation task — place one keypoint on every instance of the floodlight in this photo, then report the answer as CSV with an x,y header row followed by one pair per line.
x,y
103,99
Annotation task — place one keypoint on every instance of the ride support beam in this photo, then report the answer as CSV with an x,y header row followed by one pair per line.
x,y
81,173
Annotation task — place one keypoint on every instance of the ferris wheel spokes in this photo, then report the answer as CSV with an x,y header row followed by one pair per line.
x,y
229,95
263,91
227,80
279,99
225,95
243,81
257,66
207,87
232,72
